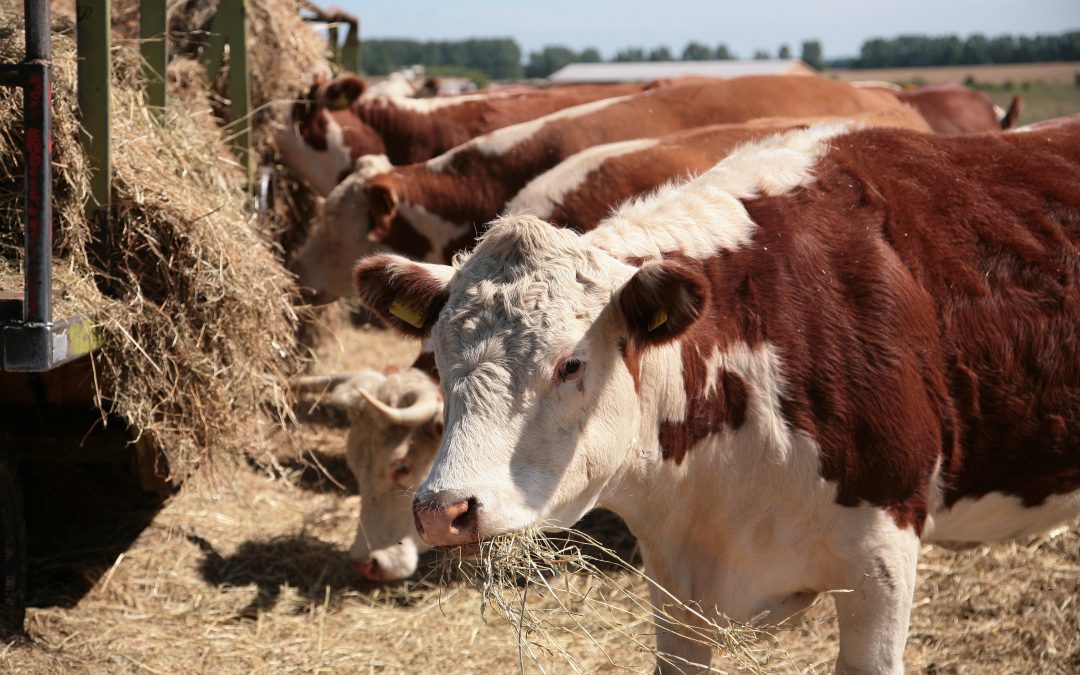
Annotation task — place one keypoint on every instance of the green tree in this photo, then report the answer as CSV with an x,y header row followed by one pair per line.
x,y
812,54
761,54
722,53
548,60
630,55
784,53
589,55
695,51
661,53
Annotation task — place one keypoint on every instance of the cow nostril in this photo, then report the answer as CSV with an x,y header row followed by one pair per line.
x,y
369,570
466,521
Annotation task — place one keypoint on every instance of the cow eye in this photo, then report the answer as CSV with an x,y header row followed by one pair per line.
x,y
571,369
400,470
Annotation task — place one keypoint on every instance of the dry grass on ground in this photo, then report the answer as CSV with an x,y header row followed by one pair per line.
x,y
248,572
1058,72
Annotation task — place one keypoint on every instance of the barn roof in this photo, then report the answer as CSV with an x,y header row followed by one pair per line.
x,y
654,70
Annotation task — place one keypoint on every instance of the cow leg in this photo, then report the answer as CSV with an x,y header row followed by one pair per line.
x,y
676,654
873,616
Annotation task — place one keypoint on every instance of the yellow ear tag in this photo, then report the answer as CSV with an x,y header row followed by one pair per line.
x,y
658,319
340,103
406,313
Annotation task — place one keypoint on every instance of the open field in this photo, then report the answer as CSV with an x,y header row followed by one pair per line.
x,y
248,572
1046,89
1058,72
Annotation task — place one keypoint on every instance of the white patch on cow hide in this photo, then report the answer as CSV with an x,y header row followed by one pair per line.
x,y
998,516
368,166
424,106
545,192
438,231
501,141
320,168
706,215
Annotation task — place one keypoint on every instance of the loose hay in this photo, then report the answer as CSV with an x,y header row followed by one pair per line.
x,y
194,306
250,574
567,587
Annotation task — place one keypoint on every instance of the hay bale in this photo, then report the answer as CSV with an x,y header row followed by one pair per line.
x,y
193,304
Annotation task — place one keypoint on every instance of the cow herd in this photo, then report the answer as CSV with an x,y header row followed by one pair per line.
x,y
787,328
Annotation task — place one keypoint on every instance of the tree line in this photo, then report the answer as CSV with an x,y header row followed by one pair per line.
x,y
501,58
949,50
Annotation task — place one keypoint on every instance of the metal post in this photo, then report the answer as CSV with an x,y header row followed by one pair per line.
x,y
154,45
94,32
350,53
230,27
37,100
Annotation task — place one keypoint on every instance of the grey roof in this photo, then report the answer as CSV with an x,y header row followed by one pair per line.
x,y
653,70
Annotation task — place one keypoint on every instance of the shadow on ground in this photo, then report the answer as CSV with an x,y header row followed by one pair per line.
x,y
79,518
319,571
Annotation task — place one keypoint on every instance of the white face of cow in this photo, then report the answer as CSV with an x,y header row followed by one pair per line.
x,y
390,450
319,166
529,334
343,234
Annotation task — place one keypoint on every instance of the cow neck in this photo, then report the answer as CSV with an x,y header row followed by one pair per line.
x,y
409,135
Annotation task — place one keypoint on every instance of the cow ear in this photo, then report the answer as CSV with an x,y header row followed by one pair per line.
x,y
662,300
343,91
407,295
382,207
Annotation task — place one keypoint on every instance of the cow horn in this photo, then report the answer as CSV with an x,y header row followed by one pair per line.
x,y
420,412
317,383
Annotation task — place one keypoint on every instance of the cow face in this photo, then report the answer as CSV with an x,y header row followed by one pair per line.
x,y
395,430
325,134
533,336
353,220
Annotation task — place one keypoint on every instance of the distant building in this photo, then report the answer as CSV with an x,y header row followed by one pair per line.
x,y
644,71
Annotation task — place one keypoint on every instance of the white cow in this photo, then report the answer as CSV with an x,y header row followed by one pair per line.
x,y
784,375
395,426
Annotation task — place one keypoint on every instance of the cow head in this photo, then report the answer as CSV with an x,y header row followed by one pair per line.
x,y
536,336
355,217
395,428
325,134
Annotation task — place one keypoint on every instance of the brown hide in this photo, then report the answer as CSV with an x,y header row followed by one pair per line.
x,y
381,126
474,187
924,297
683,155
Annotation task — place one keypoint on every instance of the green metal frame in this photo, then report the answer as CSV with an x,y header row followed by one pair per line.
x,y
230,28
154,45
94,35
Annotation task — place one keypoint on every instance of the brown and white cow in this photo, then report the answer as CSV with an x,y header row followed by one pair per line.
x,y
581,191
335,124
950,108
430,211
395,426
784,375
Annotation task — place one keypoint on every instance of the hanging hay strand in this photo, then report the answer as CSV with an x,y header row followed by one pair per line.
x,y
566,587
193,304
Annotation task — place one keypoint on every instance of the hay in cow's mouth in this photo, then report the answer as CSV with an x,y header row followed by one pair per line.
x,y
516,572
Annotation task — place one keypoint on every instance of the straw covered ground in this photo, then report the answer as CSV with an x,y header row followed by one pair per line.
x,y
248,572
187,289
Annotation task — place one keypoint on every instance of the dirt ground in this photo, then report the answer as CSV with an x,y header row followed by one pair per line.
x,y
248,572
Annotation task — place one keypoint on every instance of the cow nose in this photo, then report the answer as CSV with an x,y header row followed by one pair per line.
x,y
446,519
369,570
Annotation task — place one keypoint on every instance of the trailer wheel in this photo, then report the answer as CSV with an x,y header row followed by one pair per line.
x,y
13,550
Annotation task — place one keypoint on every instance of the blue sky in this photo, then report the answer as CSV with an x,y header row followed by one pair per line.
x,y
745,25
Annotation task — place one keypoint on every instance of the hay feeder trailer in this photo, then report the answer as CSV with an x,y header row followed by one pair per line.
x,y
49,412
